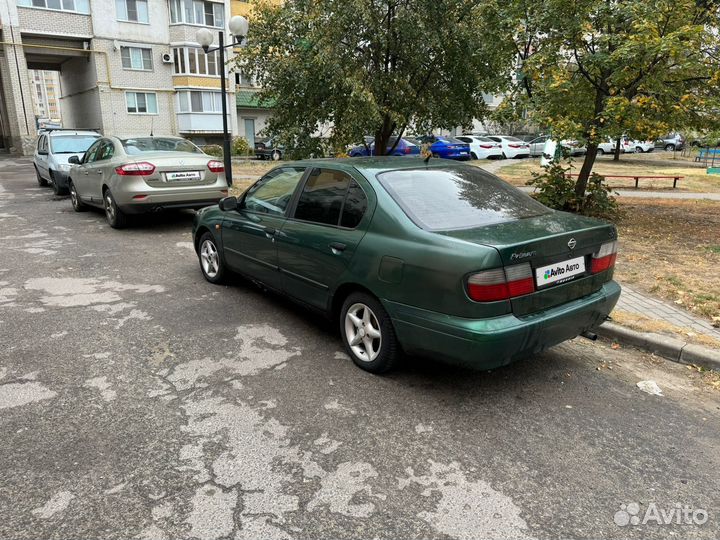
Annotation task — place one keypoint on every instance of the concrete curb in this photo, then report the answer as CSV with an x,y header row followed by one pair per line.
x,y
671,348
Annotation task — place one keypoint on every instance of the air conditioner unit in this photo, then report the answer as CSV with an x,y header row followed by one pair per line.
x,y
167,58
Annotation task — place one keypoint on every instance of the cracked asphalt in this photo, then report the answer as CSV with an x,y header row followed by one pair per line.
x,y
139,401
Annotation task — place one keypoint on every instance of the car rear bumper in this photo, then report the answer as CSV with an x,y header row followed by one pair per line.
x,y
164,201
490,343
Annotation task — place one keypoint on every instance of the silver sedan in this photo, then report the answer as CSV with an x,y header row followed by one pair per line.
x,y
143,174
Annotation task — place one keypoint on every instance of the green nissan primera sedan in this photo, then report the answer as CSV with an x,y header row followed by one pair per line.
x,y
438,259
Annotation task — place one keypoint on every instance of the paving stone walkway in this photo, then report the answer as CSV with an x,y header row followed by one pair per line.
x,y
633,301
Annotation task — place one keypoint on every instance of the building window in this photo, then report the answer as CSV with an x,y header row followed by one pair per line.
x,y
78,6
197,12
193,61
136,58
199,101
141,102
132,10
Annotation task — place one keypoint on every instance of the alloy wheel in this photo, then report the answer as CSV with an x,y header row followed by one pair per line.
x,y
363,333
73,195
209,259
109,207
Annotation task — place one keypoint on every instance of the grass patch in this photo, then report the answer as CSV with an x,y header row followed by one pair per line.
x,y
646,324
695,178
664,251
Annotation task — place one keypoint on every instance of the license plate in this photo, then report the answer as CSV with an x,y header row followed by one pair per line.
x,y
180,176
559,272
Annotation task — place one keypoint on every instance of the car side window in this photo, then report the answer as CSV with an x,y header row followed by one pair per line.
x,y
41,145
106,151
272,194
355,206
322,197
91,153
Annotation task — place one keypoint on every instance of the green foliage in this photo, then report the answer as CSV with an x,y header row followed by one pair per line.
x,y
241,147
212,150
593,68
555,189
374,68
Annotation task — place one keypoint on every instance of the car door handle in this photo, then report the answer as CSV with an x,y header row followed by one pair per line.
x,y
270,232
337,247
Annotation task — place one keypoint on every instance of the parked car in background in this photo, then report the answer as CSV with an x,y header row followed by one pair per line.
x,y
570,147
53,150
639,147
444,147
268,149
481,147
608,147
671,141
404,147
439,259
512,147
144,174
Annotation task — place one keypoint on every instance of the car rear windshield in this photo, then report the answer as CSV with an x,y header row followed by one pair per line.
x,y
72,144
457,198
139,145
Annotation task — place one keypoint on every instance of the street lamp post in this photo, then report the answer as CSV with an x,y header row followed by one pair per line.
x,y
238,29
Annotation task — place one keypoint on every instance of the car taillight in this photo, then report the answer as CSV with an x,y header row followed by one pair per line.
x,y
216,166
143,168
514,145
604,258
407,150
501,283
486,146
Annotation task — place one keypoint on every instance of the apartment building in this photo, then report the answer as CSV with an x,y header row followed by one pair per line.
x,y
127,67
46,95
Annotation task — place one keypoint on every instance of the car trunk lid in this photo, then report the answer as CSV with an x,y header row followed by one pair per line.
x,y
177,169
558,247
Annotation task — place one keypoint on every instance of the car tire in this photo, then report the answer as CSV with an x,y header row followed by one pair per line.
x,y
600,152
40,180
669,147
56,188
473,155
638,150
504,155
362,316
211,260
116,218
276,155
77,204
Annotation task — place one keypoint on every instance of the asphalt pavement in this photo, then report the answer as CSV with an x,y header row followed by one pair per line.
x,y
139,401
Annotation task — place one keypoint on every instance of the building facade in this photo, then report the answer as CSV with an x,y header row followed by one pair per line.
x,y
126,67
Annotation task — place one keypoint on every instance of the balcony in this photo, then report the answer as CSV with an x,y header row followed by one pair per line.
x,y
200,122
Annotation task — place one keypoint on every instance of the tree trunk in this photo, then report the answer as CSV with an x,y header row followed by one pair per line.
x,y
586,169
382,136
592,148
616,152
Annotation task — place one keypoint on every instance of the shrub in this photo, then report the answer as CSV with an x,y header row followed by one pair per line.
x,y
241,147
212,150
555,189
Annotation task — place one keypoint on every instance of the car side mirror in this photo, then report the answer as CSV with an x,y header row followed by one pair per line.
x,y
228,203
74,160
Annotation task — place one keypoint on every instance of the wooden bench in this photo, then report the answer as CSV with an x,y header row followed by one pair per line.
x,y
637,178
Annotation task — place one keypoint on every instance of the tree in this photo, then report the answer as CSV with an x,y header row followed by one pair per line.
x,y
598,68
374,67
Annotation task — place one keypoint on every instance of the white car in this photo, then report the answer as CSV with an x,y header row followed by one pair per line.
x,y
638,146
53,150
512,147
482,147
608,147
